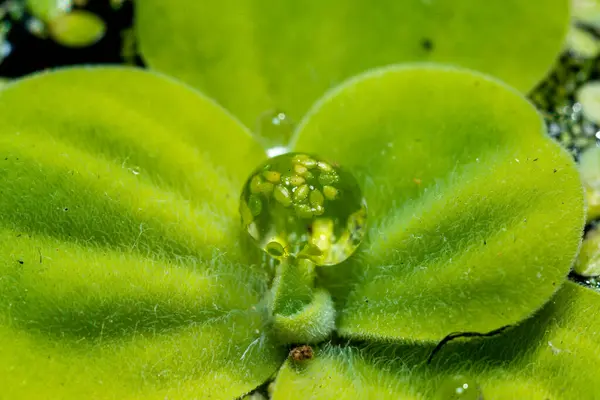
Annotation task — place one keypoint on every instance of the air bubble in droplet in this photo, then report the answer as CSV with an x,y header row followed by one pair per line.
x,y
303,206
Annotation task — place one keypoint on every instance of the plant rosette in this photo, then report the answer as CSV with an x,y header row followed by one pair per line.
x,y
126,272
150,249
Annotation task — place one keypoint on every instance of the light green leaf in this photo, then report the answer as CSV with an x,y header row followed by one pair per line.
x,y
122,271
587,11
46,10
256,56
312,324
475,216
554,355
588,260
589,168
588,95
77,28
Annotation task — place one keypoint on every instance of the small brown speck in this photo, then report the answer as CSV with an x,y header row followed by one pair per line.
x,y
301,353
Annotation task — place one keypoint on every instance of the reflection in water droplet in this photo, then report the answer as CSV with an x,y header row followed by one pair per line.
x,y
459,387
300,205
274,130
276,151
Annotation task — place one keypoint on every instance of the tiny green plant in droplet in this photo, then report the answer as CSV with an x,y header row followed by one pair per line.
x,y
302,206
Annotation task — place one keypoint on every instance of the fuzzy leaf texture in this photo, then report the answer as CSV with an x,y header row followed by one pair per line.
x,y
475,215
254,56
553,355
122,271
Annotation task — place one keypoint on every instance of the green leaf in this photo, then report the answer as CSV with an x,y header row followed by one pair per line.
x,y
293,285
587,11
589,168
254,56
78,28
313,323
475,216
554,355
588,260
122,271
46,10
301,314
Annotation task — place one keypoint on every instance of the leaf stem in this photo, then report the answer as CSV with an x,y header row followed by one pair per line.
x,y
301,313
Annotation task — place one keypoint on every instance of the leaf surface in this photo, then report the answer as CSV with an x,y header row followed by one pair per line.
x,y
256,56
475,215
123,274
553,355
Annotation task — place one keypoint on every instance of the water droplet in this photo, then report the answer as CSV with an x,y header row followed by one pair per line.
x,y
302,206
274,130
459,387
555,350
